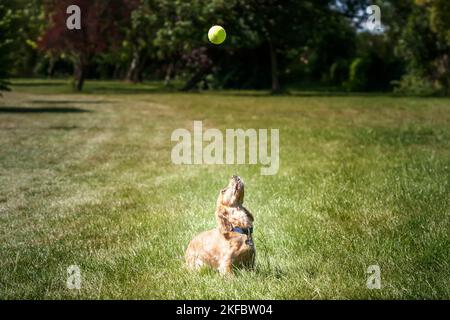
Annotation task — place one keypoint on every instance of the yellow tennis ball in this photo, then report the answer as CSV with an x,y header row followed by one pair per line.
x,y
217,34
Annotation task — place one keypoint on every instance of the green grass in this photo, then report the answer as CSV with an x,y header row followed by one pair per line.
x,y
88,181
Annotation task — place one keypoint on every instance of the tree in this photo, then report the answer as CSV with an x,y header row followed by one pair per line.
x,y
439,18
180,40
28,25
101,24
6,40
139,38
290,24
424,43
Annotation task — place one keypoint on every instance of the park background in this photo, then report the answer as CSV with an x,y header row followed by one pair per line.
x,y
85,124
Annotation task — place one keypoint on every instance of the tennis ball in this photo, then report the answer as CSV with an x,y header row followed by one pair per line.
x,y
217,34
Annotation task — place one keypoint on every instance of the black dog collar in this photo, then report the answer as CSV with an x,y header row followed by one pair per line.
x,y
246,231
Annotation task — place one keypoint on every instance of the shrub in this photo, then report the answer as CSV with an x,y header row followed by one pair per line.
x,y
413,84
358,75
338,72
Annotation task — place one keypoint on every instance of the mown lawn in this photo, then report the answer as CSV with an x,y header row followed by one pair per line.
x,y
86,179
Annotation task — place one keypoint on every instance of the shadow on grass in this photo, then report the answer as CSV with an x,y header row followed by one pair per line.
x,y
66,101
317,94
91,87
39,83
41,110
129,90
306,94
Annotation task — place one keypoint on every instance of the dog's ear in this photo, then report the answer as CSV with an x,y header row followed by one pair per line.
x,y
222,220
249,214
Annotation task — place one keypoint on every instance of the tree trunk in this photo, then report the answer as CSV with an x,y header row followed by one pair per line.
x,y
116,71
133,74
168,76
79,75
274,68
191,84
51,67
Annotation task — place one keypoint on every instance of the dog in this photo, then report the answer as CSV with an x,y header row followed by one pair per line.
x,y
231,242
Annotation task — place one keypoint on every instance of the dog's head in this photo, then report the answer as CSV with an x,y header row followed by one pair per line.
x,y
240,218
230,218
233,194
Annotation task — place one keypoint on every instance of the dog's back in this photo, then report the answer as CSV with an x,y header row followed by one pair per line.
x,y
205,249
220,251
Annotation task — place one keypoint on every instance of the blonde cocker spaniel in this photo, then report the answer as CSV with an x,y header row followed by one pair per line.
x,y
231,243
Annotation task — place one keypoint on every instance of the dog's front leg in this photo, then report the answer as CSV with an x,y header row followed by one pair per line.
x,y
225,266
